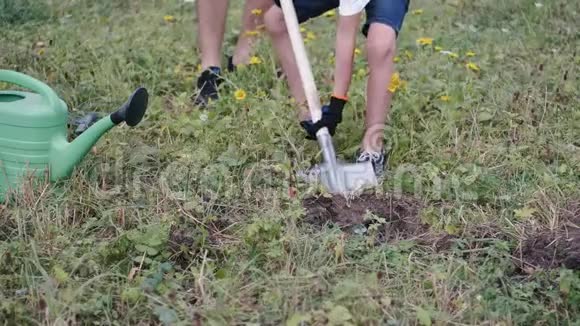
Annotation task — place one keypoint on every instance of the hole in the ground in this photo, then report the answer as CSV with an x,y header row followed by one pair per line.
x,y
554,248
395,217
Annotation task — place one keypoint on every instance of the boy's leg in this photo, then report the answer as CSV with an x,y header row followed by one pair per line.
x,y
212,15
250,22
274,20
212,24
384,22
381,48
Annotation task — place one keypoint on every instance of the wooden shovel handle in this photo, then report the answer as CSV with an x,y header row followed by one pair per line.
x,y
304,68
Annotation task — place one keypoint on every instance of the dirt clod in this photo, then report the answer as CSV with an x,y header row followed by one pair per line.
x,y
554,248
397,217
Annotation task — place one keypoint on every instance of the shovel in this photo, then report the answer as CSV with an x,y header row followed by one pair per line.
x,y
337,177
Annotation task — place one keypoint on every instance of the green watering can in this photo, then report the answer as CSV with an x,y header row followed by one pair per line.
x,y
33,131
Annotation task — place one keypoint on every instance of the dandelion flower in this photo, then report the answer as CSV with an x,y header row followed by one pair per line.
x,y
302,29
330,13
240,94
331,60
438,48
417,12
256,12
396,83
199,67
425,41
472,66
396,59
470,54
445,98
310,36
252,33
357,51
40,51
169,19
255,60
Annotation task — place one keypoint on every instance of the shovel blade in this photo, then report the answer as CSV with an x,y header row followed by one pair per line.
x,y
347,178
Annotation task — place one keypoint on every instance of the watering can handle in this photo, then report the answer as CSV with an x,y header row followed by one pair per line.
x,y
31,83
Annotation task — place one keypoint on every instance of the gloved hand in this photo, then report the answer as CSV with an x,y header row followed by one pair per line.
x,y
331,117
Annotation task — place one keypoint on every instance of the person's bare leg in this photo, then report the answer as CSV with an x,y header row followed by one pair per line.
x,y
274,20
250,22
381,48
212,24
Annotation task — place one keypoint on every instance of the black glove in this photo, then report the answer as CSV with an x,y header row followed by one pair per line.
x,y
331,117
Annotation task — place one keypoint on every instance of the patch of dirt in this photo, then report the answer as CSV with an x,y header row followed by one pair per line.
x,y
554,248
187,241
401,215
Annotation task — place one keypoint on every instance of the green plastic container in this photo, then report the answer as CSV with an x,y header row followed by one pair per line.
x,y
33,132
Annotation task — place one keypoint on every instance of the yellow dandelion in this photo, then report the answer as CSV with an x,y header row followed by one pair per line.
x,y
302,29
331,60
438,48
396,83
445,98
470,54
425,41
357,51
40,51
310,36
251,33
240,94
396,59
417,12
199,67
169,19
472,66
255,60
330,13
256,12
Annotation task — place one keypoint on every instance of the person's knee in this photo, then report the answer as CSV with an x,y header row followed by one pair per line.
x,y
381,42
274,21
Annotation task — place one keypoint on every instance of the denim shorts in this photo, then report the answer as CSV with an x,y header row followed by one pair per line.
x,y
389,12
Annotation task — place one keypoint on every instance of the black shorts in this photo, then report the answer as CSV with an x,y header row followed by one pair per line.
x,y
389,12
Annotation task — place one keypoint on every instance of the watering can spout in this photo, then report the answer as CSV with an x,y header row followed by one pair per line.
x,y
65,156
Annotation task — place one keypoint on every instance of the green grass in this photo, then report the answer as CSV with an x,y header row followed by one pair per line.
x,y
97,248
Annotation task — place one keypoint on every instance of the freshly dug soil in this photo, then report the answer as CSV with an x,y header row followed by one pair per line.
x,y
554,248
400,213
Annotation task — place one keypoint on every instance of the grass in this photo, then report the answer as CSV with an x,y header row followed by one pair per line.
x,y
187,218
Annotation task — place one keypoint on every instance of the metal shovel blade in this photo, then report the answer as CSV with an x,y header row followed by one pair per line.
x,y
339,177
344,178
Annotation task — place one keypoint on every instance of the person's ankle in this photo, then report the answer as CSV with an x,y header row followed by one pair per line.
x,y
369,146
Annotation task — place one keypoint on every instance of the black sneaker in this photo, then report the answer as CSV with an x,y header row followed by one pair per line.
x,y
207,84
377,159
